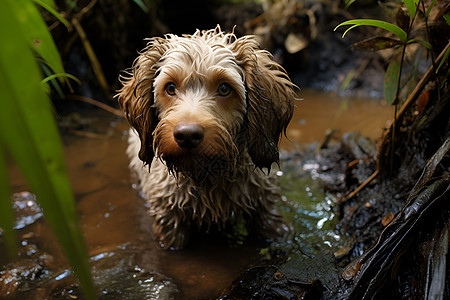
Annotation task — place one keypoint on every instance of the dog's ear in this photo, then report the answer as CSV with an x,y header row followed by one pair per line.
x,y
270,100
136,95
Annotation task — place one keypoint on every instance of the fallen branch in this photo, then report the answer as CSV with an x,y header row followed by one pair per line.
x,y
96,103
409,101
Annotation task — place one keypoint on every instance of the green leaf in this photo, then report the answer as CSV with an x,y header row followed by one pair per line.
x,y
142,5
55,84
29,133
48,6
430,8
422,42
6,212
444,58
347,80
33,26
446,17
400,33
48,2
50,77
71,3
411,6
59,75
391,81
348,3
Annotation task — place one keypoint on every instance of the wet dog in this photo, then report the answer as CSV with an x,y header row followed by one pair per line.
x,y
207,112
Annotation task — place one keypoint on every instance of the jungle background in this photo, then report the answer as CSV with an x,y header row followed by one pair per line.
x,y
379,229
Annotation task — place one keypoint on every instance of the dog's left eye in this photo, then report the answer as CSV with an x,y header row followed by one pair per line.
x,y
224,89
171,88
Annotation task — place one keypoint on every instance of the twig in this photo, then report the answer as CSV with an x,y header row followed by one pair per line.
x,y
96,103
85,9
412,97
96,66
91,135
362,185
415,93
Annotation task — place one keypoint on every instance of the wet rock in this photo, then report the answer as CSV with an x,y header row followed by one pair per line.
x,y
25,274
302,277
26,208
117,278
13,275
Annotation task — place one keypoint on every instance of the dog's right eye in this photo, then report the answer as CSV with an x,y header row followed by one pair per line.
x,y
224,89
171,88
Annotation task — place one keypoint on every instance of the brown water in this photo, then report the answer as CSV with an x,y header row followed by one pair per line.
x,y
113,216
318,112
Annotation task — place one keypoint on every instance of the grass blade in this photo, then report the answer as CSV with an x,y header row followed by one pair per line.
x,y
29,133
36,31
6,212
430,8
400,33
48,6
411,7
446,17
58,75
48,2
422,42
391,81
141,5
444,59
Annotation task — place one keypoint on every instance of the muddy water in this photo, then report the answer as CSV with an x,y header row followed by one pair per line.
x,y
127,262
317,113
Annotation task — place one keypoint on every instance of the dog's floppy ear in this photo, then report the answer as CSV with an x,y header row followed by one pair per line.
x,y
136,95
270,100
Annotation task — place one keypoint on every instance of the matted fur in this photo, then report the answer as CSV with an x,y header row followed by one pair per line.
x,y
221,176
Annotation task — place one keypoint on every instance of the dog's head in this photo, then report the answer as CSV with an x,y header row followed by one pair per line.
x,y
198,100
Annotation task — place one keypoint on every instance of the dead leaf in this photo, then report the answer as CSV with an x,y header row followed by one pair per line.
x,y
375,44
387,219
295,43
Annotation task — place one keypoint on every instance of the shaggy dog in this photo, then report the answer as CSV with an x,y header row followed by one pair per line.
x,y
207,110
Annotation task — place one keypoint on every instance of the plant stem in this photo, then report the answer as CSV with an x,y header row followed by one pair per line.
x,y
397,96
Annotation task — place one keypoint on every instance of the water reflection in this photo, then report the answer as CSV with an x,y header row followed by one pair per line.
x,y
310,209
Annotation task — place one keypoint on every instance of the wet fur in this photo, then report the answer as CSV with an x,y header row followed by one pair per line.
x,y
223,175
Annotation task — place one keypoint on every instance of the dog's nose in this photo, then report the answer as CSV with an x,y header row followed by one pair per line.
x,y
188,135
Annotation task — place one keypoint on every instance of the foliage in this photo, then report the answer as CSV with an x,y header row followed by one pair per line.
x,y
400,33
393,73
393,81
28,132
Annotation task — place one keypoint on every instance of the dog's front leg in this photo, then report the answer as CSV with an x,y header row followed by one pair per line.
x,y
170,230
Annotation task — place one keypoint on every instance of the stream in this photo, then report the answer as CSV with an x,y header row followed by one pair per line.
x,y
126,262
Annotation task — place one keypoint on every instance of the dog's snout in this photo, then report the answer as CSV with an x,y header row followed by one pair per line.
x,y
188,135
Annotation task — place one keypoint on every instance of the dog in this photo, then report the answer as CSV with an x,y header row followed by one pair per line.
x,y
207,111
